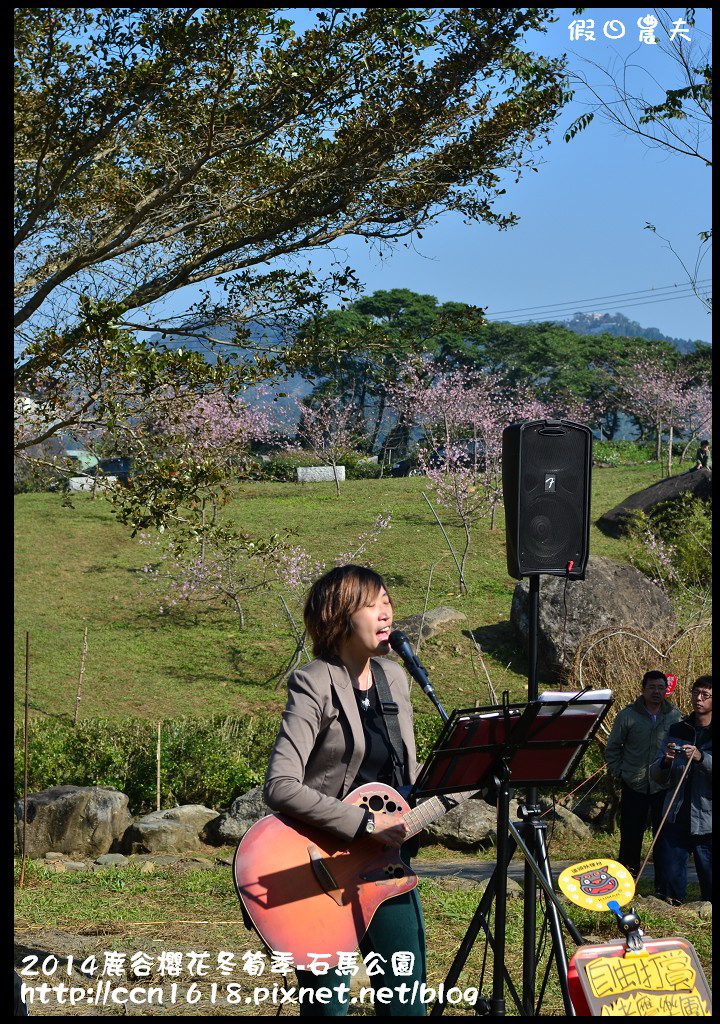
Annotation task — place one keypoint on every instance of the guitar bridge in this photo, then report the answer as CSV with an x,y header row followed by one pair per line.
x,y
325,876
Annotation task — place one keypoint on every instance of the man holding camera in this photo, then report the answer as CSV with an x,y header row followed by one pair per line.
x,y
684,768
634,743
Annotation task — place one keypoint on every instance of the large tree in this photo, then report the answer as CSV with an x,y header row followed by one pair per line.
x,y
356,350
159,149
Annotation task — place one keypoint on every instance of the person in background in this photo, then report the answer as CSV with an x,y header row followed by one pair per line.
x,y
688,828
634,743
703,459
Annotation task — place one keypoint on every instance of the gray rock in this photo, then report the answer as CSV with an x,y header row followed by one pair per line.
x,y
244,811
470,826
160,836
77,821
174,830
592,811
611,595
112,860
319,474
670,489
430,622
473,825
561,821
195,815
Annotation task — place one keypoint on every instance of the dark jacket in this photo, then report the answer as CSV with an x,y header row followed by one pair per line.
x,y
634,743
698,778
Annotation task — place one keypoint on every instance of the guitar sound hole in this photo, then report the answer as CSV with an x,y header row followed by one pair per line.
x,y
376,802
391,807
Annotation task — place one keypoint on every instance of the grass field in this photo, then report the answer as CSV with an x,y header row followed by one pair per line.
x,y
192,907
77,567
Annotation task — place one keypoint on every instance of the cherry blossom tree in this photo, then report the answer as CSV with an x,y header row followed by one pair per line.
x,y
462,415
699,417
661,395
220,569
188,448
329,429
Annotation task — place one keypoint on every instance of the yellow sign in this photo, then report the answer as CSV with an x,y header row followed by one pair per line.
x,y
594,884
668,981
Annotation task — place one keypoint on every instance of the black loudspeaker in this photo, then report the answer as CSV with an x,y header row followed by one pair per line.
x,y
546,486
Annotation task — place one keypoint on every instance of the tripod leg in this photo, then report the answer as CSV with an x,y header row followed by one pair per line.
x,y
529,969
496,889
542,860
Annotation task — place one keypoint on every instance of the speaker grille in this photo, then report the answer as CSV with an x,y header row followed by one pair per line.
x,y
544,540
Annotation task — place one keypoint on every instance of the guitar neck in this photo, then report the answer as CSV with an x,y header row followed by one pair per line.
x,y
430,810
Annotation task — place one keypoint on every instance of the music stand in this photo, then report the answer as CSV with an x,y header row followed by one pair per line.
x,y
480,748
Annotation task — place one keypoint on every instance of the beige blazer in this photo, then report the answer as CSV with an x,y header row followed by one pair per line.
x,y
320,746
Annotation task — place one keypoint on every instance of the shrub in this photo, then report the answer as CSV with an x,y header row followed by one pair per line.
x,y
623,453
675,541
282,467
209,761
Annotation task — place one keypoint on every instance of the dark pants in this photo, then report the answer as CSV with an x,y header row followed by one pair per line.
x,y
635,808
397,926
677,845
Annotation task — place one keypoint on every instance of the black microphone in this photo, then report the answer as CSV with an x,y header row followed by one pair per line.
x,y
402,646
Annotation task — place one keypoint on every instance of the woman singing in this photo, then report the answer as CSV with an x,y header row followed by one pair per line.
x,y
335,736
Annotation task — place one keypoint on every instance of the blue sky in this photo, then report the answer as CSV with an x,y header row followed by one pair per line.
x,y
582,231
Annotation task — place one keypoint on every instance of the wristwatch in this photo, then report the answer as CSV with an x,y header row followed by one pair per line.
x,y
370,822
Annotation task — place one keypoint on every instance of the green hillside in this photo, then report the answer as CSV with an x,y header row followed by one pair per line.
x,y
77,567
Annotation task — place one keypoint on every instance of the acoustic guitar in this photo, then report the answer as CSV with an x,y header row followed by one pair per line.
x,y
307,892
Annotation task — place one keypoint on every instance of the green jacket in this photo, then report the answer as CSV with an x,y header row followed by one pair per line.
x,y
635,742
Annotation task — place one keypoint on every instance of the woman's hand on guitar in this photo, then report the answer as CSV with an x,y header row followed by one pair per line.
x,y
390,830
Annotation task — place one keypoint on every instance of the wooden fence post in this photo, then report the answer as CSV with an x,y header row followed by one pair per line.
x,y
157,783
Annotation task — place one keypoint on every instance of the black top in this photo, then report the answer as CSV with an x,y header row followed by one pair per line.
x,y
377,764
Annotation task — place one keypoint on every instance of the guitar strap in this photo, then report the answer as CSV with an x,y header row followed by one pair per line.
x,y
390,712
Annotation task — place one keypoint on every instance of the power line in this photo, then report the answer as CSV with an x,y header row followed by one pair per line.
x,y
610,308
601,298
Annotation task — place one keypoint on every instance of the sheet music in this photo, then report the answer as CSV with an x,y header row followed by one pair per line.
x,y
583,702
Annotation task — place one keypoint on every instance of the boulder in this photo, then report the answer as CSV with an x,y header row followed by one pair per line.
x,y
471,825
79,821
319,474
244,811
561,821
695,482
176,830
430,622
611,595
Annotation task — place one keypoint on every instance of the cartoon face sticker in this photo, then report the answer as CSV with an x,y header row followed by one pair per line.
x,y
597,882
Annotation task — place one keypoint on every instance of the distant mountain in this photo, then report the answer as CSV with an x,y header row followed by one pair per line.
x,y
295,386
223,334
620,327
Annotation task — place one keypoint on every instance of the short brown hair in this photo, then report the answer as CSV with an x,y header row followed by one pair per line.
x,y
331,601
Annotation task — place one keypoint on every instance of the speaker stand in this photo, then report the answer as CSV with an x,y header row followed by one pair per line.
x,y
531,806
